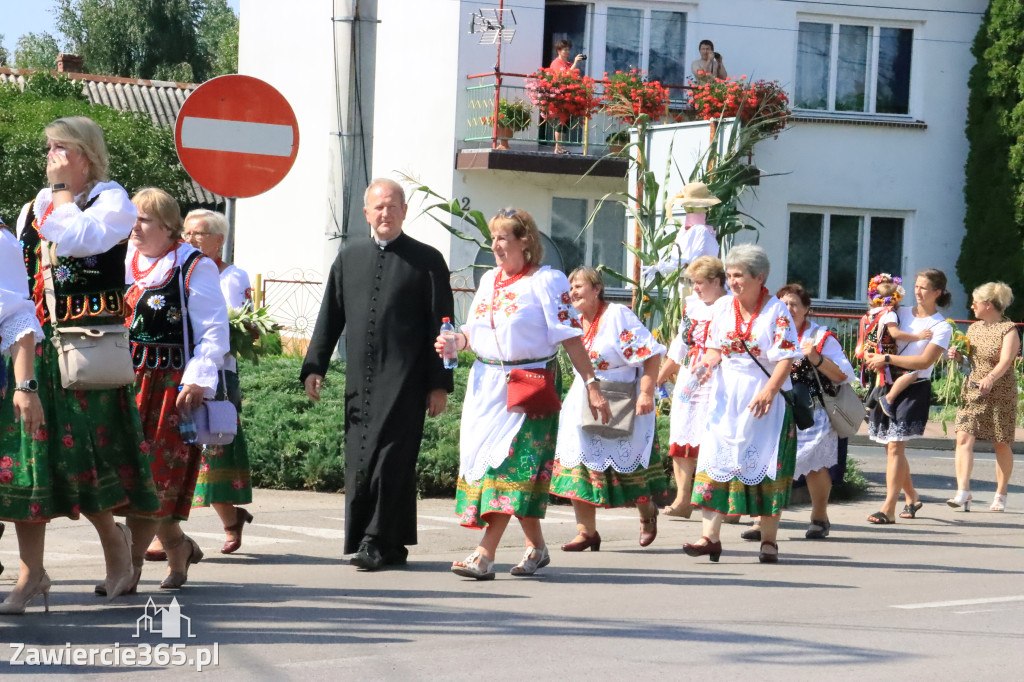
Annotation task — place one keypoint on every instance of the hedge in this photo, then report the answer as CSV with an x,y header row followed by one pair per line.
x,y
295,444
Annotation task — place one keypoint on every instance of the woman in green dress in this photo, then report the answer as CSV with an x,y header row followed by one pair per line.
x,y
90,457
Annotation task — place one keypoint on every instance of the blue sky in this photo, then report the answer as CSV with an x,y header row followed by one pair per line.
x,y
18,17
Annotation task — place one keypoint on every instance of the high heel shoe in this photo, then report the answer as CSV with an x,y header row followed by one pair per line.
x,y
242,517
176,579
768,557
647,536
712,549
591,542
15,607
998,503
961,499
133,587
125,582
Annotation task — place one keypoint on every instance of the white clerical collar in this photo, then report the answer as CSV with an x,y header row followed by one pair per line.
x,y
382,242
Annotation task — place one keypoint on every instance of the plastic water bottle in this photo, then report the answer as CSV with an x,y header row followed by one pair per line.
x,y
693,385
187,425
663,391
450,354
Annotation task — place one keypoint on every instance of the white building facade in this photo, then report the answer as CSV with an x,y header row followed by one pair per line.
x,y
872,164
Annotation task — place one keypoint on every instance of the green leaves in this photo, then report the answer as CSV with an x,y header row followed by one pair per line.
x,y
141,154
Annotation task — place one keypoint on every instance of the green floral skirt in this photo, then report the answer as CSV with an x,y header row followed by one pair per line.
x,y
610,488
767,498
224,469
520,485
89,458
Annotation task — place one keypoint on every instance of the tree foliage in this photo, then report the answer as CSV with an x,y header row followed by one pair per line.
x,y
36,51
141,154
4,54
183,40
993,244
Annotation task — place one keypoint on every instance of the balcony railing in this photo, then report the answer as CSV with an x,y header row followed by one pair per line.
x,y
589,137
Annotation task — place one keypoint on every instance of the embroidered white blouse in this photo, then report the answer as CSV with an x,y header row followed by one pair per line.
x,y
95,230
206,309
532,316
736,444
234,284
17,313
620,347
687,420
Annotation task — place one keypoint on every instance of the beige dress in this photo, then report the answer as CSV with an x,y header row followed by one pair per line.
x,y
988,417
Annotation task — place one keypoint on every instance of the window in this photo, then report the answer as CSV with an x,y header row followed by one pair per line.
x,y
600,244
652,41
835,254
856,68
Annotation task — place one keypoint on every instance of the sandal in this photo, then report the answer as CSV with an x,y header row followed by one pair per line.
x,y
910,510
474,566
533,560
683,511
998,503
880,519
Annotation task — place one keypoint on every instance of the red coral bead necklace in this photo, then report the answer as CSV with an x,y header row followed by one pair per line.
x,y
740,333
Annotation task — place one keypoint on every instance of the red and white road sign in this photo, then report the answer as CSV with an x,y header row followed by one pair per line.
x,y
236,136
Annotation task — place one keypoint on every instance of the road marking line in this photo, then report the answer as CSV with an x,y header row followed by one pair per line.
x,y
329,533
959,602
250,538
445,519
243,137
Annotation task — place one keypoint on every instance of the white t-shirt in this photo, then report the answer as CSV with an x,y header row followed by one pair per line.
x,y
942,334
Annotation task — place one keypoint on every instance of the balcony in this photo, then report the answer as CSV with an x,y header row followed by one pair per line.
x,y
590,142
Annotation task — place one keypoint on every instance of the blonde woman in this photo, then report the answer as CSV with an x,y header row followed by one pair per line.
x,y
90,459
989,407
521,314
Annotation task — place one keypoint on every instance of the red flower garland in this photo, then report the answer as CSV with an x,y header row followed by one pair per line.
x,y
562,94
628,94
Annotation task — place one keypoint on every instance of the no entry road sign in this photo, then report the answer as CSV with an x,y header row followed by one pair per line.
x,y
236,136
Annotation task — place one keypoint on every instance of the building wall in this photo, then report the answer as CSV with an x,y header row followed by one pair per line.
x,y
283,229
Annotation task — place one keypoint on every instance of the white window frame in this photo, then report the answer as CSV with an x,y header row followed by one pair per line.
x,y
871,85
863,257
599,18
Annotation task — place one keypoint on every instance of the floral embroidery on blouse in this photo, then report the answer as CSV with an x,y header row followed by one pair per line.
x,y
597,361
157,302
565,311
735,345
781,325
630,345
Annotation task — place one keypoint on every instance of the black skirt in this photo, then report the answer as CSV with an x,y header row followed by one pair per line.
x,y
911,410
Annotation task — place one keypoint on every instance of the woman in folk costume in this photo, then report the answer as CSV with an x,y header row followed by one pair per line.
x,y
179,334
685,355
89,459
817,448
748,451
224,477
19,334
593,470
521,313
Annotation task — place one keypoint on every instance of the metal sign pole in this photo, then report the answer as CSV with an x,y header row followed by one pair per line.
x,y
228,254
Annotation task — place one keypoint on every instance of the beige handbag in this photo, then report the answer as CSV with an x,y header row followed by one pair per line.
x,y
93,357
621,397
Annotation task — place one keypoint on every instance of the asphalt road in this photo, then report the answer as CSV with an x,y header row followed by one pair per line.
x,y
939,597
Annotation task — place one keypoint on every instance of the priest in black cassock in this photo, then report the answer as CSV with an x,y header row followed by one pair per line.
x,y
390,292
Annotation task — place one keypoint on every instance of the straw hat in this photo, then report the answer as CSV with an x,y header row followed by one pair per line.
x,y
694,195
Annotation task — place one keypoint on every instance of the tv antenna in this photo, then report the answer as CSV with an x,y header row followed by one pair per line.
x,y
490,24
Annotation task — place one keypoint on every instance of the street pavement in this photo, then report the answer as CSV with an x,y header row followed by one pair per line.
x,y
938,597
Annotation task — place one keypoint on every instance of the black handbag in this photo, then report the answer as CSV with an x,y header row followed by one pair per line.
x,y
798,397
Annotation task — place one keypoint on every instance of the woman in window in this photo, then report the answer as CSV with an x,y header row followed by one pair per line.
x,y
710,65
592,470
748,451
910,408
989,407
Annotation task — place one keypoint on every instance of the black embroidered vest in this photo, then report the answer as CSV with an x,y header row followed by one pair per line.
x,y
91,286
156,329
